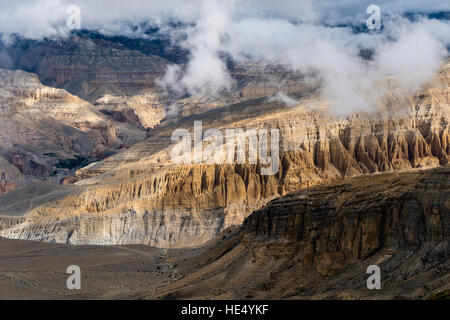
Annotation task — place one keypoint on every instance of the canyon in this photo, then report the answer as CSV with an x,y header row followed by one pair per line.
x,y
138,196
318,243
86,171
41,126
313,244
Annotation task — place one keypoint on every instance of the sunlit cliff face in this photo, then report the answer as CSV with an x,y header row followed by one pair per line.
x,y
324,37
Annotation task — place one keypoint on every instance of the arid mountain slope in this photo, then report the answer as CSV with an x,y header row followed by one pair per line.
x,y
312,244
140,196
319,242
88,67
145,110
99,70
41,124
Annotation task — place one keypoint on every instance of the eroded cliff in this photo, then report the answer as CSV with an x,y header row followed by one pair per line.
x,y
141,196
318,243
41,124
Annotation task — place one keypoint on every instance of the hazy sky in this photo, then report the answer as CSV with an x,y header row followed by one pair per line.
x,y
43,17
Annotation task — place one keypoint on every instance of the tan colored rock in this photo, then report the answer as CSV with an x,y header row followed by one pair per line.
x,y
144,109
318,244
183,205
39,124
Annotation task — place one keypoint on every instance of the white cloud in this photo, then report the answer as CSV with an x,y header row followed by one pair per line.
x,y
294,33
282,97
34,19
206,73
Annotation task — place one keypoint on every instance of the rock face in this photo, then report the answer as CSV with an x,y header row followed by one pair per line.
x,y
318,243
141,196
345,222
252,81
9,174
6,186
40,124
7,222
262,80
89,67
145,110
312,244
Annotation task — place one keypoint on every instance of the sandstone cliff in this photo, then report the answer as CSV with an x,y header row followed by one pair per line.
x,y
318,243
144,109
312,244
140,196
41,124
88,67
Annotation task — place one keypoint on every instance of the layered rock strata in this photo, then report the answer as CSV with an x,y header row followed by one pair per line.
x,y
41,124
318,244
145,109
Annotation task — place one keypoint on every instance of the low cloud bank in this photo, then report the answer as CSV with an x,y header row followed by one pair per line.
x,y
302,35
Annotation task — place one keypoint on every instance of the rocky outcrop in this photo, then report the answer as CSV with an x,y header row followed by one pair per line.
x,y
9,176
41,124
175,205
171,208
88,67
256,80
312,244
318,244
340,224
7,222
145,110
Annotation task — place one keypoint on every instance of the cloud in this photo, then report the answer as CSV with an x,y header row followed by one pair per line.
x,y
282,97
33,19
415,55
47,18
411,52
206,73
303,35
